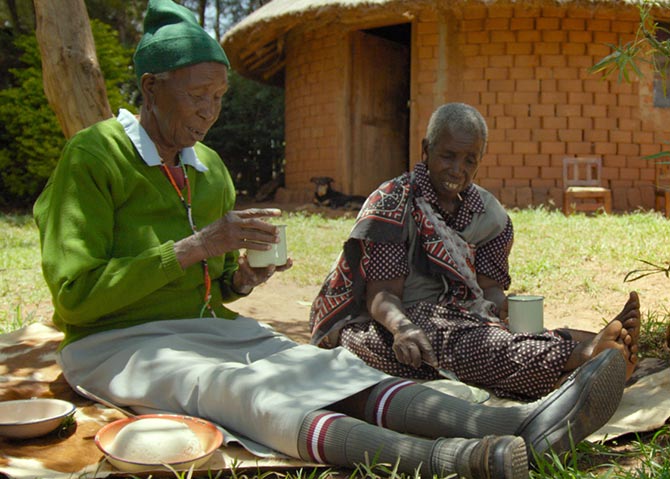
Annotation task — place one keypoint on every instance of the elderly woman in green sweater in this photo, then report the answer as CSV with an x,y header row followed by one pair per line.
x,y
140,250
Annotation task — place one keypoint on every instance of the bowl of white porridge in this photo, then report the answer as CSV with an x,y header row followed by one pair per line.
x,y
157,442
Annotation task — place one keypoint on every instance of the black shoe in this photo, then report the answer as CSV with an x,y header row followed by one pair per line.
x,y
492,457
579,407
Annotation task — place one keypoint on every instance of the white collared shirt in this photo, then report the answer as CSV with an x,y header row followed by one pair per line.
x,y
147,148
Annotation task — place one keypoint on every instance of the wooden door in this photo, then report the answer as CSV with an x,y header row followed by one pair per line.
x,y
380,115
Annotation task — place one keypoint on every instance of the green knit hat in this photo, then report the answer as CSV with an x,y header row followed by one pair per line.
x,y
173,39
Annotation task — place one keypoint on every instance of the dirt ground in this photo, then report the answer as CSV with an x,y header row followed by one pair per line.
x,y
286,306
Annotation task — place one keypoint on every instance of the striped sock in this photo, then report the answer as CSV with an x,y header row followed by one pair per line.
x,y
405,406
333,438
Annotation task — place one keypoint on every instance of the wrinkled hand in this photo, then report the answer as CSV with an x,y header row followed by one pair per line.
x,y
246,278
411,346
239,229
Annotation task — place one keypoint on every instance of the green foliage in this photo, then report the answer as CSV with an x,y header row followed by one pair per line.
x,y
30,136
643,48
249,134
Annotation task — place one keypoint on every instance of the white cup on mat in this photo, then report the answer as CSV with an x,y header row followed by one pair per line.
x,y
526,313
276,255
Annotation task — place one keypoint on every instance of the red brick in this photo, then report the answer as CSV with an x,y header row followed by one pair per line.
x,y
536,160
517,23
606,99
504,122
580,61
569,85
629,173
575,98
554,36
521,72
580,37
531,36
527,172
550,172
543,48
529,122
579,12
557,123
579,148
618,136
475,25
474,11
475,86
545,135
552,147
519,48
629,149
596,86
477,37
569,109
544,73
510,160
642,137
496,73
628,100
553,61
527,11
629,124
580,122
501,11
501,61
517,110
522,147
604,148
526,61
517,134
525,97
570,136
606,123
577,24
605,37
474,74
553,97
496,24
598,50
501,85
573,49
598,25
553,11
623,27
498,147
543,111
596,135
504,98
528,85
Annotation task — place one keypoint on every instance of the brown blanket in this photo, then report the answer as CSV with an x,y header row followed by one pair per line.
x,y
28,369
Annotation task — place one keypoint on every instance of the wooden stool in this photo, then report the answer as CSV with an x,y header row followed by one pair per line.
x,y
582,186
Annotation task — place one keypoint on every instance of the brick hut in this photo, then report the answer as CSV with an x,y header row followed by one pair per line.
x,y
361,78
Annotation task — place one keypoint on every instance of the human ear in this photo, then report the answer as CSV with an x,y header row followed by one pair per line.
x,y
147,86
424,150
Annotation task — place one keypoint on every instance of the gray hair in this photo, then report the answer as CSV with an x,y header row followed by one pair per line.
x,y
163,75
457,117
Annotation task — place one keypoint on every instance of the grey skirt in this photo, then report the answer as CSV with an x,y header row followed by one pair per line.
x,y
255,383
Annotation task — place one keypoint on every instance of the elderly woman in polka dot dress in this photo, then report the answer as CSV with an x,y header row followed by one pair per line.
x,y
420,282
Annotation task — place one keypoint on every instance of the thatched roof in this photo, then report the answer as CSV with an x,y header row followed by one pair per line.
x,y
255,45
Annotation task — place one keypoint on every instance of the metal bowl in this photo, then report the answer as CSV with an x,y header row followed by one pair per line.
x,y
27,418
156,436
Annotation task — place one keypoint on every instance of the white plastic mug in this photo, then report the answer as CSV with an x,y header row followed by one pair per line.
x,y
526,313
276,255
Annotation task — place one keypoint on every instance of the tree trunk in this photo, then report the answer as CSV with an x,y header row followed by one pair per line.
x,y
73,81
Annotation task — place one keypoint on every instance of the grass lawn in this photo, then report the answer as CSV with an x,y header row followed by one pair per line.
x,y
567,259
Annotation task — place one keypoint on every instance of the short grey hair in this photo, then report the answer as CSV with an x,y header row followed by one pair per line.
x,y
457,117
163,75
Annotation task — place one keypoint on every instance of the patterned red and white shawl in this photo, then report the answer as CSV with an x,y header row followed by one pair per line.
x,y
383,218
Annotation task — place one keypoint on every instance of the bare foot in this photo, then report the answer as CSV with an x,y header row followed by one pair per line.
x,y
622,333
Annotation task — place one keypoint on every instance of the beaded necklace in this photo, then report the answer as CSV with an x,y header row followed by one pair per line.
x,y
187,206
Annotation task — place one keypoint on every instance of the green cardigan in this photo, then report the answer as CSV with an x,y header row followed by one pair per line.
x,y
108,223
